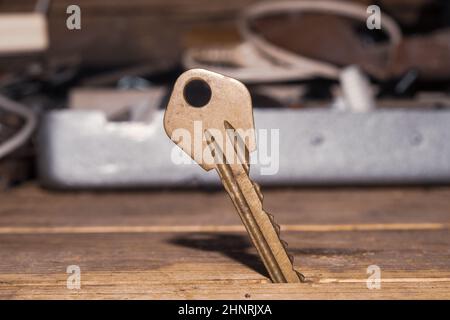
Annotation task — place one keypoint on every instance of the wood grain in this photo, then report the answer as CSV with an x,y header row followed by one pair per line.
x,y
162,245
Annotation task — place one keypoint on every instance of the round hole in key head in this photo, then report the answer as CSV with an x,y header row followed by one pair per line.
x,y
197,93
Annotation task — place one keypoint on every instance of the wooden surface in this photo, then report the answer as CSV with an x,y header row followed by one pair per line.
x,y
160,244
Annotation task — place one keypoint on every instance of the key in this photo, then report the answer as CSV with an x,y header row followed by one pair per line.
x,y
218,134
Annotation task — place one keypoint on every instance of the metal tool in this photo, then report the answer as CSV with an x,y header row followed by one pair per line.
x,y
227,112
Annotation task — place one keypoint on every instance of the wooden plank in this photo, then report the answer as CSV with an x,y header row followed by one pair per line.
x,y
196,265
336,253
34,207
22,33
223,228
135,286
190,244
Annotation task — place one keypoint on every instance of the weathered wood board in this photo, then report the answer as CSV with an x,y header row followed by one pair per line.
x,y
190,244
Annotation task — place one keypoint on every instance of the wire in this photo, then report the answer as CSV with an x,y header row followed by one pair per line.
x,y
259,60
345,9
22,136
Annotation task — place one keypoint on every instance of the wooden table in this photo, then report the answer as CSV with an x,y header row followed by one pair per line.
x,y
191,244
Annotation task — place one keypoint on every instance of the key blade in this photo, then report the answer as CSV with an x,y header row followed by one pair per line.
x,y
260,225
185,124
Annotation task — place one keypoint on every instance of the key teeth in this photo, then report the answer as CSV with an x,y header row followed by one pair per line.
x,y
285,245
277,229
300,276
258,190
278,232
275,225
291,258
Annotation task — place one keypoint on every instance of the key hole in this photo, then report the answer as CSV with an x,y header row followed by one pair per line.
x,y
197,93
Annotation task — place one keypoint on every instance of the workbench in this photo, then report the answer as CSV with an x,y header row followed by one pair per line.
x,y
191,245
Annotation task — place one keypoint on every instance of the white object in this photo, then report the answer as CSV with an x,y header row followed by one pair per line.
x,y
22,33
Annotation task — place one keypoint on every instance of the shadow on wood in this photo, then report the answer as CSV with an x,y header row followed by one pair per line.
x,y
234,246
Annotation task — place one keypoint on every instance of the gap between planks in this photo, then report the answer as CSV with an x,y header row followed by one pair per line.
x,y
223,228
386,280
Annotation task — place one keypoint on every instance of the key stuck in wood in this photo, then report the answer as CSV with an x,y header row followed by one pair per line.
x,y
224,114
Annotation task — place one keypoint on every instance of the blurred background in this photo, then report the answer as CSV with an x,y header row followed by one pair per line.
x,y
83,87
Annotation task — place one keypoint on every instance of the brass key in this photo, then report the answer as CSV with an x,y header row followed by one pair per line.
x,y
219,134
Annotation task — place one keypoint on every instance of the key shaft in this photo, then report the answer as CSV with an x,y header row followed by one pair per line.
x,y
260,225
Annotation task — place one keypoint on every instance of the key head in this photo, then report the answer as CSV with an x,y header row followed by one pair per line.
x,y
229,102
